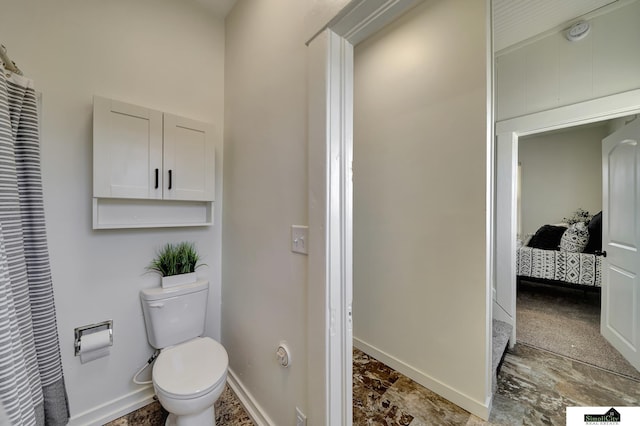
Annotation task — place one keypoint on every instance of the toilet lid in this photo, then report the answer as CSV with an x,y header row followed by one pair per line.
x,y
192,368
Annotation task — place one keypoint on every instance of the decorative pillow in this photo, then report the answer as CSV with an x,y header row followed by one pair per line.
x,y
575,238
547,237
595,234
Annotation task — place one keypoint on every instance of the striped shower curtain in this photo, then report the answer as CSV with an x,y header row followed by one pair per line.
x,y
32,390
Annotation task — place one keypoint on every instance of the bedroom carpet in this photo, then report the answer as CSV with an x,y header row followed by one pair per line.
x,y
566,321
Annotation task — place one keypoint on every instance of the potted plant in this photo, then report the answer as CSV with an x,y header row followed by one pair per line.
x,y
580,215
176,264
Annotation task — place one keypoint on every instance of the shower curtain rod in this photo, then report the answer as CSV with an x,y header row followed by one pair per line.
x,y
9,65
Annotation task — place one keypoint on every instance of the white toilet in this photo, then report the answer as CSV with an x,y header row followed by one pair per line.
x,y
191,371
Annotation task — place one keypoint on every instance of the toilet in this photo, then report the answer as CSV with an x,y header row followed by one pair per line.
x,y
190,373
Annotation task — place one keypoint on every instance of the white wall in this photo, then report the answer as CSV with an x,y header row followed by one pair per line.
x,y
550,71
419,197
561,172
159,53
264,292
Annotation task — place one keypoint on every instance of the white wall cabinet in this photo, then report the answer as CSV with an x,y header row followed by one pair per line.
x,y
150,168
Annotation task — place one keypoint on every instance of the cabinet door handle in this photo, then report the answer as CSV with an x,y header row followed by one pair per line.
x,y
170,179
156,178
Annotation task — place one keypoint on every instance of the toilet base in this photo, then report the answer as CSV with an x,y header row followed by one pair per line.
x,y
204,418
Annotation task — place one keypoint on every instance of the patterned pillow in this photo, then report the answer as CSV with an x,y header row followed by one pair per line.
x,y
575,238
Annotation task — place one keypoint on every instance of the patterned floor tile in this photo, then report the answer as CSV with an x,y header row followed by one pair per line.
x,y
534,388
229,411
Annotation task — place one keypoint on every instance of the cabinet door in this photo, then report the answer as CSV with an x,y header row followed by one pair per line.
x,y
189,159
127,150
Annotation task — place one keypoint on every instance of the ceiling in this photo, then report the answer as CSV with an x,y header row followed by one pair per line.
x,y
513,20
518,20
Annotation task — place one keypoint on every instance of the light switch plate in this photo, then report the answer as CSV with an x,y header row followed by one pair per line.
x,y
299,239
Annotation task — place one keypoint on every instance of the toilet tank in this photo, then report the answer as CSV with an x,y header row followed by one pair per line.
x,y
176,314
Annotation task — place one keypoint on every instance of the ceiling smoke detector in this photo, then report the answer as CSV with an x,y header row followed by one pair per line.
x,y
578,31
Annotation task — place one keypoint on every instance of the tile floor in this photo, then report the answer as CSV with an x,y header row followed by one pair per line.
x,y
534,388
229,411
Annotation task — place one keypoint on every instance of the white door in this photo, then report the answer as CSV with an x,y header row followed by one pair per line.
x,y
189,159
620,319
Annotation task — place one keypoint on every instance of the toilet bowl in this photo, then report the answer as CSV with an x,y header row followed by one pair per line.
x,y
188,378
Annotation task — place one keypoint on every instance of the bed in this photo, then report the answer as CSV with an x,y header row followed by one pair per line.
x,y
549,259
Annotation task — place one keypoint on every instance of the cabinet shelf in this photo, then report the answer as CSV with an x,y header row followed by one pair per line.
x,y
118,213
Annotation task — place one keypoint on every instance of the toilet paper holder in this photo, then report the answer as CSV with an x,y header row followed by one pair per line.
x,y
90,329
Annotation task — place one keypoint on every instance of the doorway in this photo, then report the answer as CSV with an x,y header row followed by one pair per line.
x,y
508,134
558,302
330,215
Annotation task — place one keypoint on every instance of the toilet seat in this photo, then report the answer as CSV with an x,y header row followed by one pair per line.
x,y
191,369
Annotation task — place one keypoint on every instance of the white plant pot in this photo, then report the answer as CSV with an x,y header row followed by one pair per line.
x,y
174,280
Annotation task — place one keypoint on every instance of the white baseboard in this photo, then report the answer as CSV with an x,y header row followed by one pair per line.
x,y
480,409
255,411
124,405
111,410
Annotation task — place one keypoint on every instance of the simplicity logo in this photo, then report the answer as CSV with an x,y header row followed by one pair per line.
x,y
610,417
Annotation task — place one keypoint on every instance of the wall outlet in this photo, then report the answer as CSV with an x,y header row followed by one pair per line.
x,y
301,419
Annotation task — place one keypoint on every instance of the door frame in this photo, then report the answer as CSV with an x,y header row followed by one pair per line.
x,y
330,147
330,189
507,134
